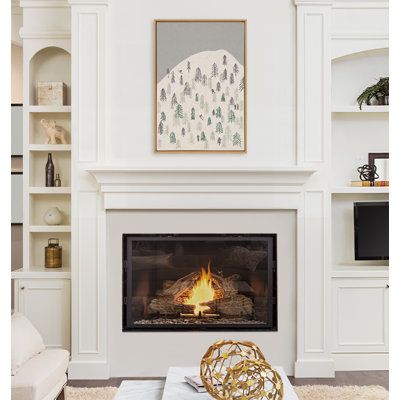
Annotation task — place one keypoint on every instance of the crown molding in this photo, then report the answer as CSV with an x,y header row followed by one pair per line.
x,y
44,4
26,34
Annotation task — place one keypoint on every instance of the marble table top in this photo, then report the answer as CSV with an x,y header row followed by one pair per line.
x,y
176,387
140,390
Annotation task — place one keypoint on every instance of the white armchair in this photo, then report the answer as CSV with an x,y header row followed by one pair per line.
x,y
37,373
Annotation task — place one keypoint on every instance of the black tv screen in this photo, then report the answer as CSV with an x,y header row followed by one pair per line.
x,y
371,230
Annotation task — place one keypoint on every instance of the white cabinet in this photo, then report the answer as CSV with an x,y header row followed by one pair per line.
x,y
46,303
360,315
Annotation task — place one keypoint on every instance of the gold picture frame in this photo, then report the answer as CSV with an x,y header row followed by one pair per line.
x,y
222,141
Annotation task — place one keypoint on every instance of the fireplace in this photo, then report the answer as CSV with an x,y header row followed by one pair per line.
x,y
199,282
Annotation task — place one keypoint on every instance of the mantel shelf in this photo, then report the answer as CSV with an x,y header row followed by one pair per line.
x,y
112,177
357,190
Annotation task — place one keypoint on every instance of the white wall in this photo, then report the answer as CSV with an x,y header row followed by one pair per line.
x,y
271,72
138,354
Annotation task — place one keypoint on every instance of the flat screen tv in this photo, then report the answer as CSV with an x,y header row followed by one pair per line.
x,y
371,230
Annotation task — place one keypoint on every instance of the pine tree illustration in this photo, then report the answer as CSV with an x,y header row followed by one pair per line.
x,y
235,69
203,137
163,95
213,112
178,111
173,77
214,70
181,80
163,116
225,75
187,90
160,128
218,86
232,79
172,137
241,85
168,71
188,66
219,128
232,102
204,82
237,141
231,116
193,113
223,97
218,112
197,97
183,132
224,59
198,77
209,121
173,101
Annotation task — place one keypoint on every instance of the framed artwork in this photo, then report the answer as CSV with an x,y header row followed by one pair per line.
x,y
381,161
16,130
200,86
16,198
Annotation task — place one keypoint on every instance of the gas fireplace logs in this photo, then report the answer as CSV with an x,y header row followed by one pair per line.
x,y
202,294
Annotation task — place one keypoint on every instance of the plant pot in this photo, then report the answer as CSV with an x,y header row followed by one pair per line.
x,y
386,100
381,99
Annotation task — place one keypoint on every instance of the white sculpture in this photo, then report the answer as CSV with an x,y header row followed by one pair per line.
x,y
55,133
53,216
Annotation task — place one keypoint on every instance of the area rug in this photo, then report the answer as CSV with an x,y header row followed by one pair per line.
x,y
322,392
315,392
97,393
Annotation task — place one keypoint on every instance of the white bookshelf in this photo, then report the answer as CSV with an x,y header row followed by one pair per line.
x,y
49,190
50,228
49,109
49,147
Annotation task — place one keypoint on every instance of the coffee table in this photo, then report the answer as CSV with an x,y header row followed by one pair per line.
x,y
176,387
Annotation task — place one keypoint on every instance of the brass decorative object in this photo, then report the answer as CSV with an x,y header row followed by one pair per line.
x,y
232,370
252,380
53,254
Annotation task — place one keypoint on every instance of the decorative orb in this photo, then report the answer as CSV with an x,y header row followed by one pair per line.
x,y
219,360
53,216
252,379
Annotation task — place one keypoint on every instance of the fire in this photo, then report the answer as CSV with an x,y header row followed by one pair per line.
x,y
202,292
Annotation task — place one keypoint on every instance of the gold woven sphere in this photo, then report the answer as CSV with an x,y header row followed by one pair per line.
x,y
252,380
219,362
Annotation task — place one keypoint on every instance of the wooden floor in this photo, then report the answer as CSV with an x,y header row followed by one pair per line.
x,y
360,378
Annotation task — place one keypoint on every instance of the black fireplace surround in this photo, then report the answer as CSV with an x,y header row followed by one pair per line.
x,y
199,282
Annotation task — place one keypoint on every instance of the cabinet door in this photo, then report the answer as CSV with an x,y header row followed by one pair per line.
x,y
360,315
46,303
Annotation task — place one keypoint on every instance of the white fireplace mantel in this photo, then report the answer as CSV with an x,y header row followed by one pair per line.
x,y
154,188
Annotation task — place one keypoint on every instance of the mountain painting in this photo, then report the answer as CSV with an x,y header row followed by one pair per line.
x,y
200,88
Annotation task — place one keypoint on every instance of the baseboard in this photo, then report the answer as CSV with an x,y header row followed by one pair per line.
x,y
361,362
88,370
314,368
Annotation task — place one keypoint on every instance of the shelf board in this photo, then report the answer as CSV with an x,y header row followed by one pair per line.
x,y
361,272
50,109
49,147
49,190
50,228
356,109
40,272
357,190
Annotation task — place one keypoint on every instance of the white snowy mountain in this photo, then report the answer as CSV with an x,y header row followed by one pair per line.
x,y
200,104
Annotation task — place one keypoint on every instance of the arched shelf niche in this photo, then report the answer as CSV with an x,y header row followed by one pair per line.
x,y
50,64
352,73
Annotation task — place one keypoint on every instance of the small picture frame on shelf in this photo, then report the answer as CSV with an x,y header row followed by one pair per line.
x,y
381,162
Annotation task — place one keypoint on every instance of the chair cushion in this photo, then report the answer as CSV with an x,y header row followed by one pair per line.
x,y
25,341
40,375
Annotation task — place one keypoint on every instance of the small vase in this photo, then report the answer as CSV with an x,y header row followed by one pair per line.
x,y
381,99
386,100
53,216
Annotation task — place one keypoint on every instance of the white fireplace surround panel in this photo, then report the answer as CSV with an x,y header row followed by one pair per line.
x,y
227,189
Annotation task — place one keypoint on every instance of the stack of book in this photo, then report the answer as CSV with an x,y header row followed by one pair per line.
x,y
369,183
196,382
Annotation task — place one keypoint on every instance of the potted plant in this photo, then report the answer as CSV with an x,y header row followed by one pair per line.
x,y
380,91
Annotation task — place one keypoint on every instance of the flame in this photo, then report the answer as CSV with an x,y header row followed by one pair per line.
x,y
202,292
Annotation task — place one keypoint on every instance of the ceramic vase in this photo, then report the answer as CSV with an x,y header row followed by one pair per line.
x,y
53,216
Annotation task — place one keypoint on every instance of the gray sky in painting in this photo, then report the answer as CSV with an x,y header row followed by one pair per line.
x,y
179,40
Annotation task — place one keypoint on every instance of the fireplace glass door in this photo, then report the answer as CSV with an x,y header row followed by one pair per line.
x,y
199,282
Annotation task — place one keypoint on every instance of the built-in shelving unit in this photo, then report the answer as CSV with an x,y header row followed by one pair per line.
x,y
51,63
355,133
